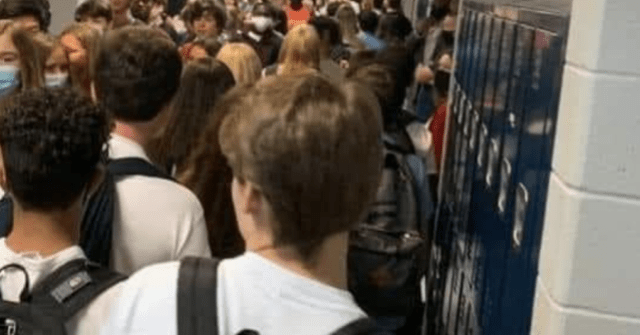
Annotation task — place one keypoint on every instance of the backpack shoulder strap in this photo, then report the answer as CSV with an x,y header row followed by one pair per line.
x,y
197,296
360,326
135,166
73,286
6,215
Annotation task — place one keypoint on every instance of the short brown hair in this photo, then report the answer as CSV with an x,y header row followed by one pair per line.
x,y
312,148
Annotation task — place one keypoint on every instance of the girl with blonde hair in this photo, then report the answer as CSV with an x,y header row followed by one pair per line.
x,y
243,61
300,52
81,42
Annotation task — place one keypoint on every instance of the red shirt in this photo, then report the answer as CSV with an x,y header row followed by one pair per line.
x,y
297,17
437,131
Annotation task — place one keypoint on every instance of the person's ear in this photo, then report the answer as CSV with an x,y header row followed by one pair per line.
x,y
250,197
3,174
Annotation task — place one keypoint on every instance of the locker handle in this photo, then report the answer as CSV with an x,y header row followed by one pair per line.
x,y
505,179
491,162
520,214
481,144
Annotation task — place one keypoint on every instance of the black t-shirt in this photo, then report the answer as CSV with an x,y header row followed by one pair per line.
x,y
266,46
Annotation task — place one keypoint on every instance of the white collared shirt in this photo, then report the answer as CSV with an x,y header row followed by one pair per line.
x,y
253,293
88,320
155,220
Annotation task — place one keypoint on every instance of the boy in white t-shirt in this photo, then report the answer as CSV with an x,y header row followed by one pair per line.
x,y
306,156
51,142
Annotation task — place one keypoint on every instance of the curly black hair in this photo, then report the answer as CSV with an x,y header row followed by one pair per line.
x,y
40,9
199,8
52,141
137,72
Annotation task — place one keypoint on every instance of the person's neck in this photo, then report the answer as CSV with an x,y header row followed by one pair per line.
x,y
329,264
137,132
46,233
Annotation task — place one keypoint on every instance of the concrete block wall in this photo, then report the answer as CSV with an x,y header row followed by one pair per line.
x,y
61,14
589,272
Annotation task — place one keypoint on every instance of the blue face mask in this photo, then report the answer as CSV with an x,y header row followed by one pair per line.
x,y
9,79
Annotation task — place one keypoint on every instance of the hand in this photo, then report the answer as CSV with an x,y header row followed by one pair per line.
x,y
423,74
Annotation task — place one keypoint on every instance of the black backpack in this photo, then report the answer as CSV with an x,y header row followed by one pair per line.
x,y
96,230
387,253
56,299
197,302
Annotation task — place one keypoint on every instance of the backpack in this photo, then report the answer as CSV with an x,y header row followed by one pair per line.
x,y
96,230
197,302
56,299
387,251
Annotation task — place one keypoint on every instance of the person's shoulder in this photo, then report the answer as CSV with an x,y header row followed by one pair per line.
x,y
90,319
147,302
164,190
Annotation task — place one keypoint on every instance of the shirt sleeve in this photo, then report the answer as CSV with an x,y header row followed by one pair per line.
x,y
192,237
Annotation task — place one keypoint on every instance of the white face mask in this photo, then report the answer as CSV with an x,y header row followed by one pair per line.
x,y
262,23
56,80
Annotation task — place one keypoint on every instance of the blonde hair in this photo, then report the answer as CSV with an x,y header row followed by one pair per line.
x,y
243,62
90,37
300,51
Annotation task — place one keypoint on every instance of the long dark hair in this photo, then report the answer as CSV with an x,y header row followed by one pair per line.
x,y
203,82
209,176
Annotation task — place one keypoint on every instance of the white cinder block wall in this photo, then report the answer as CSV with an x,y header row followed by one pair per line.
x,y
61,14
589,272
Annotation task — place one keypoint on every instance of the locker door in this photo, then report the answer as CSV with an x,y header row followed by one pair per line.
x,y
531,181
484,223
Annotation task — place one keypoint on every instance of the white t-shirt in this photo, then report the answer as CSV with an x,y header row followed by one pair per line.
x,y
155,220
87,321
253,293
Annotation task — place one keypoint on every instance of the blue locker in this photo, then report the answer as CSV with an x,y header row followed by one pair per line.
x,y
504,100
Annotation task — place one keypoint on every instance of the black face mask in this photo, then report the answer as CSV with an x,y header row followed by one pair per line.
x,y
448,38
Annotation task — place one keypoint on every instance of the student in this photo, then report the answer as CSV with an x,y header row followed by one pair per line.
x,y
348,21
80,41
203,83
295,199
137,73
297,13
94,12
394,9
29,15
206,19
299,54
330,40
243,62
21,61
369,24
51,144
261,35
121,14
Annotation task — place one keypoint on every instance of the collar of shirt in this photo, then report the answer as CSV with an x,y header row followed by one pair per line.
x,y
254,36
33,260
122,147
